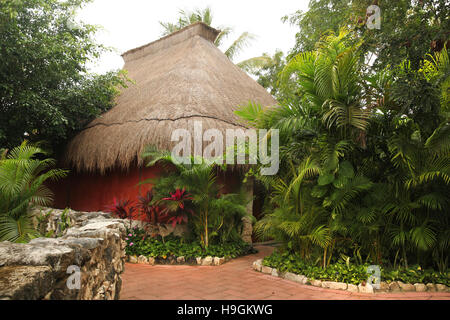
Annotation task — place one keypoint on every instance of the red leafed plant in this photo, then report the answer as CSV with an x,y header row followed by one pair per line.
x,y
122,209
152,212
176,207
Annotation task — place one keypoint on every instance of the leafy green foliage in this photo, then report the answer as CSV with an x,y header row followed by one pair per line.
x,y
22,178
351,273
364,159
46,93
216,217
139,244
397,39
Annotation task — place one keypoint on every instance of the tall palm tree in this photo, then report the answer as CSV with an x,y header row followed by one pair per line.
x,y
187,18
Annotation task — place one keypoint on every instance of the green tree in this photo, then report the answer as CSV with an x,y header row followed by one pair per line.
x,y
409,28
46,93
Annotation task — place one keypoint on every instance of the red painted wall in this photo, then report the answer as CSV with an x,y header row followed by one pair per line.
x,y
93,192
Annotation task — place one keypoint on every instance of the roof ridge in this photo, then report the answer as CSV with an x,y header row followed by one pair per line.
x,y
213,33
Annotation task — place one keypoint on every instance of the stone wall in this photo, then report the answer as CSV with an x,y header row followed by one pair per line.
x,y
91,250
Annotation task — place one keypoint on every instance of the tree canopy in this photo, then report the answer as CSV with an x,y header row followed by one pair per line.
x,y
46,92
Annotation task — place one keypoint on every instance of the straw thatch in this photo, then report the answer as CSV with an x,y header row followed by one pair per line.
x,y
179,79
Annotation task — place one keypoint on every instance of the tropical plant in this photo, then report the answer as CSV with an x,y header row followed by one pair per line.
x,y
176,207
364,169
22,184
215,215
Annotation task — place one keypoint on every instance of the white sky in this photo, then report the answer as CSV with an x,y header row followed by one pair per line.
x,y
128,24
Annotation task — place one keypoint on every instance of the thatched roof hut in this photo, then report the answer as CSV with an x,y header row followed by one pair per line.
x,y
179,79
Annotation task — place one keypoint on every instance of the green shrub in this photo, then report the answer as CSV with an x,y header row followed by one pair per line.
x,y
139,244
351,273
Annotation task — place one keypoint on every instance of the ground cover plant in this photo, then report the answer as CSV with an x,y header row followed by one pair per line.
x,y
139,243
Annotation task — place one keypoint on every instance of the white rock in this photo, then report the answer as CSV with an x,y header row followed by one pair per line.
x,y
275,272
207,261
133,259
335,285
365,289
407,287
352,288
420,287
431,287
266,269
316,283
295,277
257,265
199,260
394,287
441,287
219,261
142,260
180,259
151,261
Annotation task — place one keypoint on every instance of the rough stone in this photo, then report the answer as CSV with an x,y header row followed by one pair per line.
x,y
384,287
151,261
316,283
92,245
334,285
133,259
295,277
407,287
199,260
275,272
181,260
207,261
365,289
219,261
441,287
257,265
142,260
420,287
394,287
266,269
431,287
352,288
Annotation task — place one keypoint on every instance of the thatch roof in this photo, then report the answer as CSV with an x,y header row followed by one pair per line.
x,y
179,79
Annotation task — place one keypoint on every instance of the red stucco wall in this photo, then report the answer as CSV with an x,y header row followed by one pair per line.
x,y
93,192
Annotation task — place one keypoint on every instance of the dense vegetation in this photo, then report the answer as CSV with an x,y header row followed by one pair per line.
x,y
22,178
188,196
365,158
138,243
46,93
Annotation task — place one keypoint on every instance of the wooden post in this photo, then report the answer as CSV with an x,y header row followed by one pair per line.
x,y
247,230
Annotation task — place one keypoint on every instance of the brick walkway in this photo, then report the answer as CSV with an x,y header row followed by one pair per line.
x,y
234,280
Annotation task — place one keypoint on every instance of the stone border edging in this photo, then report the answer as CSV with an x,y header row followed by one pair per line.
x,y
395,286
207,261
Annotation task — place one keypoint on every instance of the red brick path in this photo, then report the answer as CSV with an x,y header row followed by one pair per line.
x,y
235,280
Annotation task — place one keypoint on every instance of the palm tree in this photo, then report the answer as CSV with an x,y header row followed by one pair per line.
x,y
329,79
215,215
22,178
187,18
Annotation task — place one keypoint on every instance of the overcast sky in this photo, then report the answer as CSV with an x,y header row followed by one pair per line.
x,y
128,24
